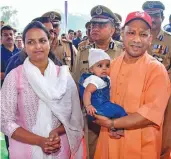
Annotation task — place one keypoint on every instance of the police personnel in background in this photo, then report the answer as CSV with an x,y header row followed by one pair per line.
x,y
161,50
88,41
117,34
62,48
102,28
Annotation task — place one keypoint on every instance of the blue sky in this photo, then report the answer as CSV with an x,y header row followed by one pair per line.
x,y
29,9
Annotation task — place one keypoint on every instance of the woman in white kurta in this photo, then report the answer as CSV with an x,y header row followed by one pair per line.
x,y
40,110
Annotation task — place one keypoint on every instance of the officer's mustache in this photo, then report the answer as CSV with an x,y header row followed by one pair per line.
x,y
9,39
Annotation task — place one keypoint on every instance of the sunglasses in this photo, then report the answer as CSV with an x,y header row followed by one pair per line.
x,y
99,25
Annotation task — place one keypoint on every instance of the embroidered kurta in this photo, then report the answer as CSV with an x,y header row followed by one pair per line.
x,y
19,106
142,87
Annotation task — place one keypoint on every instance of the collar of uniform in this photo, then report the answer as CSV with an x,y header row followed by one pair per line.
x,y
111,45
59,42
62,41
160,36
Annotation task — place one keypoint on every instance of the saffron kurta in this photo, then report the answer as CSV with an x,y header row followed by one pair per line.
x,y
142,87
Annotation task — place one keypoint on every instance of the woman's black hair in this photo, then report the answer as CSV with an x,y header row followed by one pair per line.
x,y
36,25
39,25
42,19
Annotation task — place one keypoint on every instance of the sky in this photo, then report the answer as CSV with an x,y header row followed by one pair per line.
x,y
30,9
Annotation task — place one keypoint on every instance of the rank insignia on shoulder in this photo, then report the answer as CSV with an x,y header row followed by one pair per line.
x,y
161,37
111,45
117,45
120,45
66,41
82,48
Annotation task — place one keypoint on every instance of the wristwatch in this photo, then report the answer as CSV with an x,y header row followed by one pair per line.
x,y
112,127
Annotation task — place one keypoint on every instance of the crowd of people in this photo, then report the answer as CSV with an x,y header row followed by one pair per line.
x,y
106,95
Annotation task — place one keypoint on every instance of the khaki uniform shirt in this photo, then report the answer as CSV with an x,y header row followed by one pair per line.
x,y
82,44
161,49
65,52
81,65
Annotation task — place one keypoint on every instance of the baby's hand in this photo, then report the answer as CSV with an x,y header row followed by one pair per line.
x,y
90,110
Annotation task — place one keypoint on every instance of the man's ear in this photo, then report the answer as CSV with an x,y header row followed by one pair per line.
x,y
163,17
122,33
90,70
113,31
150,40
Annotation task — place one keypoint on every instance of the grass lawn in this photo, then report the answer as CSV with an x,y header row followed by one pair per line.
x,y
3,150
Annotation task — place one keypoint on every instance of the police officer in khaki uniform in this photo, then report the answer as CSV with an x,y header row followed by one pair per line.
x,y
117,34
102,28
88,41
161,50
62,48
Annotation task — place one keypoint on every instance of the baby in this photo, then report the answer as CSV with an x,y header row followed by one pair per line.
x,y
95,87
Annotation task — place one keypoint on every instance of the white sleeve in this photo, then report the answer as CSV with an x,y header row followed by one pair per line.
x,y
97,81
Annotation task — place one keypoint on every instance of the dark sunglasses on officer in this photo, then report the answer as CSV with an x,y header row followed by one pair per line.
x,y
100,25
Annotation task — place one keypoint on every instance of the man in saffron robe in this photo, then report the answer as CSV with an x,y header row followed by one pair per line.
x,y
141,85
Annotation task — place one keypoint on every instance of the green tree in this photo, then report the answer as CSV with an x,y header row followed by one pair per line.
x,y
8,15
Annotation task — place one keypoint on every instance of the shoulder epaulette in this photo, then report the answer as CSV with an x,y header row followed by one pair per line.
x,y
82,43
59,42
111,45
66,41
115,44
119,44
82,48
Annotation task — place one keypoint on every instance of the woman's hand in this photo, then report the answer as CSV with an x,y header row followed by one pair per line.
x,y
53,141
59,130
102,121
49,145
53,134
